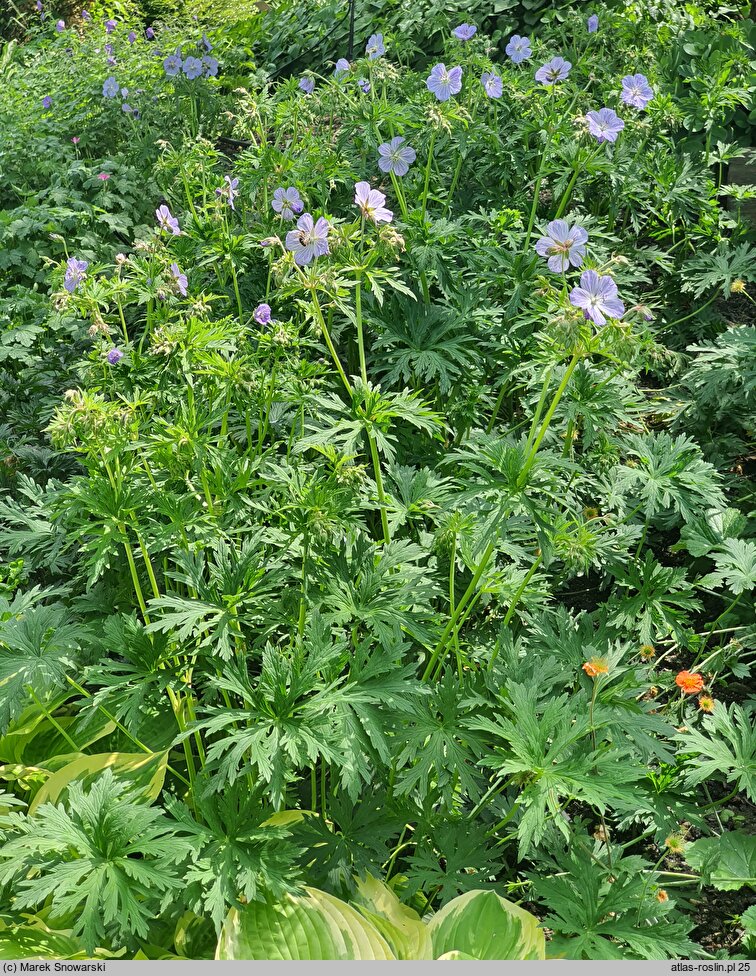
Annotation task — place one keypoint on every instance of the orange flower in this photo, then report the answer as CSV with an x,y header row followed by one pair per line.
x,y
706,703
662,896
595,667
647,651
690,682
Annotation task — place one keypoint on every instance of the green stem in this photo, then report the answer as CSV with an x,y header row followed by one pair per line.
x,y
329,341
547,419
427,174
516,599
459,610
692,314
399,195
568,192
53,721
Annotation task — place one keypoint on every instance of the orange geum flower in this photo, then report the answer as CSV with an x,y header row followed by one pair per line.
x,y
706,703
662,896
691,682
595,667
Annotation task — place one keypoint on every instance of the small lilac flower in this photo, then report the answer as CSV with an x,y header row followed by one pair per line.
x,y
371,203
211,67
261,314
310,240
124,93
75,274
556,70
307,85
110,26
364,85
39,7
206,43
564,246
518,48
180,278
444,83
492,84
47,102
395,157
192,68
172,65
60,26
374,47
115,356
127,108
597,296
109,49
166,220
110,61
103,176
229,190
341,68
131,37
86,16
150,34
110,88
592,24
287,202
605,124
636,91
75,140
465,32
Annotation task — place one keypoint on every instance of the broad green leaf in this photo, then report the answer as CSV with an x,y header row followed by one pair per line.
x,y
144,771
484,925
311,926
37,941
727,862
400,925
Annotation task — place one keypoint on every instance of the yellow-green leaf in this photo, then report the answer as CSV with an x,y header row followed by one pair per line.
x,y
315,925
145,770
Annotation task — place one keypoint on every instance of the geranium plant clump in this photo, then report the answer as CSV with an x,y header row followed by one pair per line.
x,y
378,570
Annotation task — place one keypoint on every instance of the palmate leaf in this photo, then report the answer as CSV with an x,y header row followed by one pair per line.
x,y
736,566
657,602
354,839
669,473
288,723
452,860
37,651
235,852
429,343
235,591
106,860
727,862
441,747
598,912
547,747
383,589
719,269
729,749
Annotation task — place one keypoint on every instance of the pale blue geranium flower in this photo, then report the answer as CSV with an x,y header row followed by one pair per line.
x,y
309,240
518,48
597,296
444,83
555,70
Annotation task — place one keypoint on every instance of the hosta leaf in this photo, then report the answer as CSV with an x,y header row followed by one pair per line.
x,y
402,927
483,925
144,772
311,926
